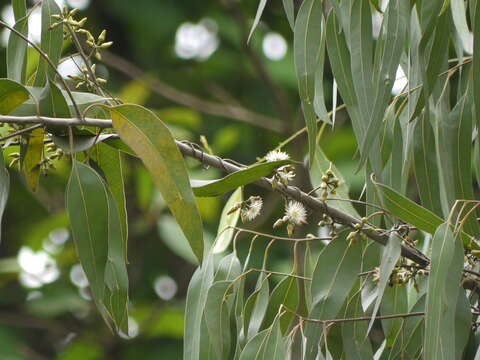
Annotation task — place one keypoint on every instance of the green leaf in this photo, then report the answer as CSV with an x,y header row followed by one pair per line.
x,y
217,312
394,302
4,188
443,285
256,307
17,50
32,154
51,42
116,276
267,344
173,237
195,304
146,134
234,180
463,322
53,104
319,98
476,61
229,268
290,12
81,142
224,233
252,349
425,164
87,204
459,15
390,256
309,48
285,293
335,274
258,15
12,95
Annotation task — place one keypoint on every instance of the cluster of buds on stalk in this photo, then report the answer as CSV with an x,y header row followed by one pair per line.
x,y
54,153
329,184
295,215
249,209
357,228
86,80
96,45
68,18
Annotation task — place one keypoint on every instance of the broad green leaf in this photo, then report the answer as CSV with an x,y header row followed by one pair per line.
x,y
425,164
224,233
17,50
146,134
258,15
443,286
4,188
335,274
319,167
51,42
88,205
407,210
390,256
309,46
116,276
290,12
32,155
285,293
195,304
217,312
205,188
12,95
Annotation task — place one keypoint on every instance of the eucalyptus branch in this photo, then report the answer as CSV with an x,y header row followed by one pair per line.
x,y
20,132
191,150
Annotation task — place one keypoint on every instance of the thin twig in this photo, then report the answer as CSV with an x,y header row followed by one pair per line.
x,y
20,132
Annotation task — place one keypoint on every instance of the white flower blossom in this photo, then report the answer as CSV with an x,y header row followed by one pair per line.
x,y
276,155
296,213
252,210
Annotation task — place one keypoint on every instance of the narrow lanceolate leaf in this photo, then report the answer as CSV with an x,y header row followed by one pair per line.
x,y
459,16
51,42
205,188
17,51
110,160
195,305
4,187
308,43
31,156
290,12
476,61
335,274
463,322
443,285
252,349
390,256
217,317
12,95
258,15
256,307
266,345
227,220
387,59
87,205
394,302
425,164
146,134
116,276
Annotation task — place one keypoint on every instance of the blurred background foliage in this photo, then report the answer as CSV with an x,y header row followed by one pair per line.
x,y
198,49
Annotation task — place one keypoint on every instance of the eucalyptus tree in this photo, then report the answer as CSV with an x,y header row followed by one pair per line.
x,y
391,275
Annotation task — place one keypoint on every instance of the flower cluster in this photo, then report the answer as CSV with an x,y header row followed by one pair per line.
x,y
295,215
249,209
329,183
276,155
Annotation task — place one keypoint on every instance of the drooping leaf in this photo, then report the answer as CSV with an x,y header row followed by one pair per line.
x,y
443,286
195,304
87,205
17,47
258,15
12,95
234,180
146,134
390,256
254,345
50,43
256,307
267,344
463,322
217,312
81,141
229,268
224,233
290,12
476,60
459,15
335,274
31,156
